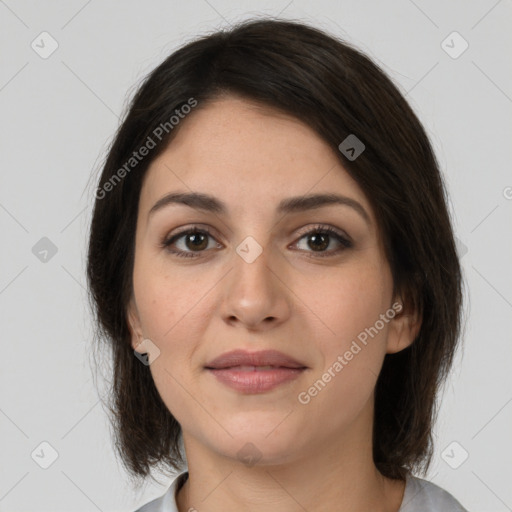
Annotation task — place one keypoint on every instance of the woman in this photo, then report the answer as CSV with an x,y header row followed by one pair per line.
x,y
272,261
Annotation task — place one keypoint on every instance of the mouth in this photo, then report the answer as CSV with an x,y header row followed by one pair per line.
x,y
255,372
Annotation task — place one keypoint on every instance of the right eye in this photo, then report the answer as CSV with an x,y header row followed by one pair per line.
x,y
194,238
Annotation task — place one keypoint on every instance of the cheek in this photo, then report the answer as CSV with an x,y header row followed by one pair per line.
x,y
173,318
354,347
173,323
165,302
353,301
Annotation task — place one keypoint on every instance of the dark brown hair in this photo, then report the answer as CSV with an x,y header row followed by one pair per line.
x,y
337,91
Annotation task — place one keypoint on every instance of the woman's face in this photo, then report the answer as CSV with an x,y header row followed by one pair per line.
x,y
257,281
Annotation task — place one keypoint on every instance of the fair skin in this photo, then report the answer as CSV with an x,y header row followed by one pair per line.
x,y
315,456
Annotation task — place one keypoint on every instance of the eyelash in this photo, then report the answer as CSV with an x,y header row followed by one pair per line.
x,y
319,229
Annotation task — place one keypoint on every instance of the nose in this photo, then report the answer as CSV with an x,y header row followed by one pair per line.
x,y
256,295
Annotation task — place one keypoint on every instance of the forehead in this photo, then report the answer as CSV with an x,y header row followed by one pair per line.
x,y
249,156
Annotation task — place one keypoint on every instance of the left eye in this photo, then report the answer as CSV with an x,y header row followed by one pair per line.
x,y
321,237
197,241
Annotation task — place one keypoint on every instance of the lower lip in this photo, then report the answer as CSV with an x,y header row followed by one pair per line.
x,y
255,381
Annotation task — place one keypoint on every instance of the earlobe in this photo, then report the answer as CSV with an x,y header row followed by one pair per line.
x,y
403,330
134,325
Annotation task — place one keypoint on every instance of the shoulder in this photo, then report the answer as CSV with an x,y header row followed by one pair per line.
x,y
421,495
167,502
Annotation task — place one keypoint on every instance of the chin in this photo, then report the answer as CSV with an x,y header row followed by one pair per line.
x,y
259,441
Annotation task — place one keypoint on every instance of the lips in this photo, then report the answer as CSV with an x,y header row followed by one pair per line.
x,y
255,372
250,361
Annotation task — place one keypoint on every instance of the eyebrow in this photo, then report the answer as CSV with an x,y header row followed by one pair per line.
x,y
208,203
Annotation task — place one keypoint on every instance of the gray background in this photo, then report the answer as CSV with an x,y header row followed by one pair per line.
x,y
59,113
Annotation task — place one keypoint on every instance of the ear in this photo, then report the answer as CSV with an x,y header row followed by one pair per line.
x,y
403,328
134,324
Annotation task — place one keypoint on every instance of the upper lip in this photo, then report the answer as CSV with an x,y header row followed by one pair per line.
x,y
261,358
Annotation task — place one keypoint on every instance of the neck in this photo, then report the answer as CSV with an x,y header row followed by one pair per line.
x,y
338,473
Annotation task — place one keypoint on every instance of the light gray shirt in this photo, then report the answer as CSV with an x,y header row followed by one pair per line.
x,y
419,496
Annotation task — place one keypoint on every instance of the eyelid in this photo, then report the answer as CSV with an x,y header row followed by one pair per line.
x,y
324,227
168,239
